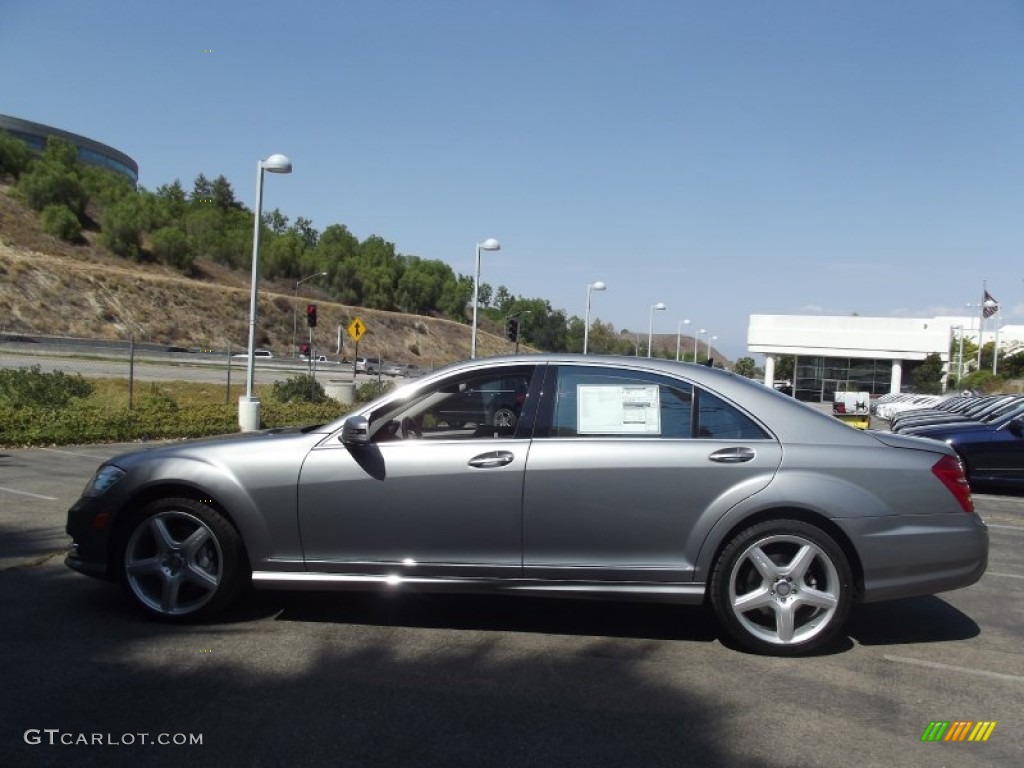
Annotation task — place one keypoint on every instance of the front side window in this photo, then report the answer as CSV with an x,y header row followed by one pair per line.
x,y
477,405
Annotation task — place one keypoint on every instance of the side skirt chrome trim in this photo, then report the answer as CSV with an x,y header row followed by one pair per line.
x,y
673,592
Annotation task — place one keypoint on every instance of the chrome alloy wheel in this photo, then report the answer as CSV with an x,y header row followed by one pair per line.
x,y
784,589
173,563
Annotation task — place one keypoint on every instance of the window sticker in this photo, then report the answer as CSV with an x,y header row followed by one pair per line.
x,y
618,410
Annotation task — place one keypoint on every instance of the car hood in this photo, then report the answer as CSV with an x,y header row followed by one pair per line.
x,y
208,447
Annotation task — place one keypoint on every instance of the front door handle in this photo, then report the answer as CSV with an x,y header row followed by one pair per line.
x,y
732,455
492,459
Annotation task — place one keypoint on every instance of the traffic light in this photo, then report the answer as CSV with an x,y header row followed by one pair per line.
x,y
512,329
311,315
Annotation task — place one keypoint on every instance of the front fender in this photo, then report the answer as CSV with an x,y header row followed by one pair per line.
x,y
257,498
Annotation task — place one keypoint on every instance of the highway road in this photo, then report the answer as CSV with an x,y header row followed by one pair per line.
x,y
153,362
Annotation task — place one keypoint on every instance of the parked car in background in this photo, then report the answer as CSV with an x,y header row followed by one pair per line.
x,y
992,453
606,477
983,411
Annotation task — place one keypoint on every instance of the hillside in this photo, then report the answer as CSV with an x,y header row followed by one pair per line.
x,y
52,288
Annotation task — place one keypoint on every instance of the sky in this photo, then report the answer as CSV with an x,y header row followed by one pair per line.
x,y
727,158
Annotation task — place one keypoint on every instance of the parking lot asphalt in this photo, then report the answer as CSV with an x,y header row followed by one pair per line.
x,y
354,680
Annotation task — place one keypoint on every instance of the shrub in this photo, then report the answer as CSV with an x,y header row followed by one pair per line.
x,y
171,247
60,221
299,389
29,387
122,228
46,185
372,390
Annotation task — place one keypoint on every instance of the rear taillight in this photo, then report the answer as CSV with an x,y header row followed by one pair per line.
x,y
951,472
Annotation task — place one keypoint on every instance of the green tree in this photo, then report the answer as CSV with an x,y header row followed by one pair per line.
x,y
745,366
202,191
222,193
275,221
784,367
15,156
46,184
421,287
61,153
122,225
104,186
456,297
927,375
303,227
378,267
60,221
170,246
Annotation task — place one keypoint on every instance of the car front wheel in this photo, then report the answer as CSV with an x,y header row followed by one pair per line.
x,y
183,560
782,588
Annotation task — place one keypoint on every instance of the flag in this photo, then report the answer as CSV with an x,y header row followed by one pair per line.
x,y
989,306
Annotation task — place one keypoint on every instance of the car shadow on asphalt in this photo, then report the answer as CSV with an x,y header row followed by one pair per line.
x,y
498,614
913,620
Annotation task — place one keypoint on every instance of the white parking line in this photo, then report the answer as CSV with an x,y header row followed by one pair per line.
x,y
950,668
79,455
26,493
1007,575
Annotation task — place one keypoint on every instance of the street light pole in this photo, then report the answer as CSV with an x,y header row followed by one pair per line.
x,y
650,326
249,405
597,286
679,336
490,244
696,343
295,302
710,339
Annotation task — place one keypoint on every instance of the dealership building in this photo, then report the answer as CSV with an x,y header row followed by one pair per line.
x,y
90,151
866,354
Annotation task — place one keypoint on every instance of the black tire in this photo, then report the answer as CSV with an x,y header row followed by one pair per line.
x,y
181,560
782,588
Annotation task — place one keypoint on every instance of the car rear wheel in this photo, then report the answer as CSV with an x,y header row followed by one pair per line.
x,y
183,560
782,588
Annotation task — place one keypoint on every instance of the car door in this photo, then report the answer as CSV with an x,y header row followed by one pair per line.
x,y
423,498
629,470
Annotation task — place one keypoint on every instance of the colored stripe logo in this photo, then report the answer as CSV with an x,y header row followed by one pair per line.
x,y
958,730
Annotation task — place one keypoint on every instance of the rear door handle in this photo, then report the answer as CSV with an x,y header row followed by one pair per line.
x,y
732,455
492,459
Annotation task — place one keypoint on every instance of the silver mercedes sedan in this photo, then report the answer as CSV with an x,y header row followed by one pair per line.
x,y
554,475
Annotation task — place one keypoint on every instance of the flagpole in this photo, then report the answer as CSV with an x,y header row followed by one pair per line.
x,y
981,322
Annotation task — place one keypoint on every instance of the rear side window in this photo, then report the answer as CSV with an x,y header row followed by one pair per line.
x,y
718,420
593,401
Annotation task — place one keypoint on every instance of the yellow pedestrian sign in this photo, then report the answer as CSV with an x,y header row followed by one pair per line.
x,y
356,329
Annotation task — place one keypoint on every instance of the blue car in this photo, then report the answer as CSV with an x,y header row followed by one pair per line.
x,y
992,453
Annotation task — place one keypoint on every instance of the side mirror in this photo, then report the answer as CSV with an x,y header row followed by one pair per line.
x,y
1015,427
355,431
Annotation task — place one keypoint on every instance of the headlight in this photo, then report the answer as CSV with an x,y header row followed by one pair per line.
x,y
103,480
